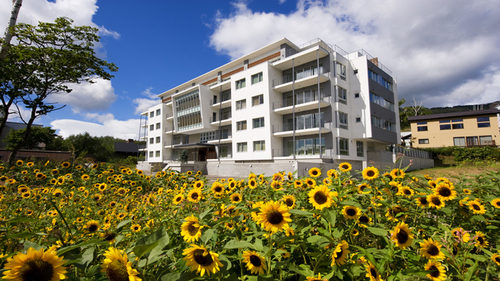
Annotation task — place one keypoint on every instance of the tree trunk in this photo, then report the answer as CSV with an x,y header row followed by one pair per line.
x,y
27,135
16,6
5,113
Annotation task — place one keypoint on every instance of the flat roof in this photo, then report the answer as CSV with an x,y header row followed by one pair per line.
x,y
454,114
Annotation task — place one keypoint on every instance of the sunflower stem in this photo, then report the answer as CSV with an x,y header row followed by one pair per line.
x,y
318,261
64,220
270,253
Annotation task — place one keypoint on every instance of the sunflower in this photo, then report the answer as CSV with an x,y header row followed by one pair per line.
x,y
201,260
496,258
422,202
85,177
297,183
135,228
364,221
332,173
364,188
289,201
372,272
435,201
431,249
340,253
117,267
321,197
35,265
252,183
354,232
351,212
19,162
194,195
198,184
480,240
191,229
461,234
273,216
277,185
370,173
312,278
314,172
437,272
254,262
310,182
236,198
345,167
397,173
402,236
65,164
327,181
476,207
92,226
445,191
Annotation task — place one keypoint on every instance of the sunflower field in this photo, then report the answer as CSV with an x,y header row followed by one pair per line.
x,y
101,222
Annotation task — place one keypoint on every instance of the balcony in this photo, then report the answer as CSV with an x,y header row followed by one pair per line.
x,y
303,57
224,104
310,152
303,79
301,129
224,120
286,106
225,137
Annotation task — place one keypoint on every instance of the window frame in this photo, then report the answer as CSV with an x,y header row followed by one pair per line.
x,y
242,147
240,125
158,112
158,139
259,145
240,84
259,121
343,146
151,140
151,114
423,141
158,126
152,127
241,104
259,98
259,77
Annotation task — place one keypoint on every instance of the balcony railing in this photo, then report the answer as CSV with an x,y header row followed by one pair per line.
x,y
480,143
304,73
225,134
223,99
224,116
286,127
312,151
289,102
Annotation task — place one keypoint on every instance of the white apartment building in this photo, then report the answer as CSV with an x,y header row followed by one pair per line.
x,y
280,108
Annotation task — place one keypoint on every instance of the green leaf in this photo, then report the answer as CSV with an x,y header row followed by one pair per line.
x,y
350,203
318,240
19,220
122,224
202,215
88,256
470,271
478,218
300,212
177,276
28,244
337,234
157,251
378,231
207,235
446,210
258,245
330,216
223,258
237,245
91,242
148,243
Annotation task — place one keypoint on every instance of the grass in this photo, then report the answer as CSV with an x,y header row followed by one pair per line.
x,y
470,169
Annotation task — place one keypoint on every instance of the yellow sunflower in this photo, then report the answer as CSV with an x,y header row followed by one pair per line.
x,y
92,226
321,197
372,272
496,258
461,234
35,265
191,229
252,183
437,272
327,181
310,182
236,198
312,278
254,262
135,228
201,260
445,191
431,249
332,173
480,240
345,167
198,184
351,212
397,173
402,236
435,201
340,253
117,267
364,188
194,195
314,172
289,201
476,207
65,164
364,220
422,202
370,173
273,216
496,203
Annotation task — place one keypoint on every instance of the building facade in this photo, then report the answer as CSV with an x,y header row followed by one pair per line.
x,y
466,129
281,107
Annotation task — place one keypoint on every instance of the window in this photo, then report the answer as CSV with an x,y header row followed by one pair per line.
x,y
224,151
423,141
472,141
444,121
240,84
151,154
241,104
158,139
485,140
259,145
358,119
379,79
256,78
341,70
382,102
342,94
421,123
157,153
241,147
359,148
151,140
384,124
459,141
457,126
158,112
343,146
483,122
422,128
151,127
258,122
257,100
151,114
342,120
158,126
241,125
445,127
356,95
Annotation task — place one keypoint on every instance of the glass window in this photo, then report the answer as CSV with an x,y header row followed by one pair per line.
x,y
356,95
256,78
359,148
343,146
472,141
341,70
158,112
422,128
483,119
485,140
257,100
342,95
151,140
444,121
241,104
158,126
258,122
152,114
445,127
151,154
483,125
158,139
151,127
157,153
423,141
457,126
241,147
459,141
343,120
259,145
457,120
241,125
421,123
358,119
240,84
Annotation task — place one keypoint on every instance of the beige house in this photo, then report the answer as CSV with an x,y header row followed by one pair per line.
x,y
470,128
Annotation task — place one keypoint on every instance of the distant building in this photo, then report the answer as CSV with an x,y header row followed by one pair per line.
x,y
9,126
466,129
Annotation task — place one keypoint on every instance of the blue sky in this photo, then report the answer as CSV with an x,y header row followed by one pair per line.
x,y
442,53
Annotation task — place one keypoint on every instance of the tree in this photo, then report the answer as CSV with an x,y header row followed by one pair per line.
x,y
16,6
416,109
101,148
39,135
47,60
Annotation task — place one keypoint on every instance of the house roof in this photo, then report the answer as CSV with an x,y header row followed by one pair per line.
x,y
126,147
18,125
454,114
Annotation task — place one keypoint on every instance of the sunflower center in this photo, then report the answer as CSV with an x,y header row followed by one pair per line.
x,y
423,200
36,270
476,207
117,271
289,202
497,259
433,250
480,239
194,195
435,272
202,257
192,229
274,217
320,197
178,199
370,173
339,254
445,192
236,198
436,201
255,261
351,212
93,227
373,272
402,237
407,192
364,219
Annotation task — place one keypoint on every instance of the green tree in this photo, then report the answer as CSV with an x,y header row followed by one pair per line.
x,y
100,148
47,59
38,135
416,109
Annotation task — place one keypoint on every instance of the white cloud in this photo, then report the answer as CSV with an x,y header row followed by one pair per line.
x,y
432,47
87,97
144,103
105,32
